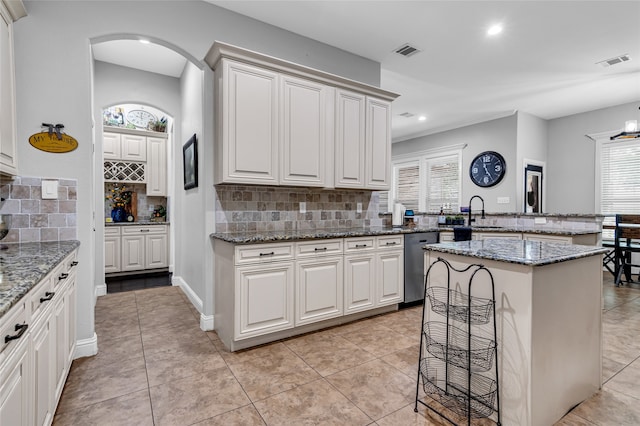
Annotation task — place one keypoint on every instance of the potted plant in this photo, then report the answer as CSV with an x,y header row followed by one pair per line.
x,y
159,125
458,220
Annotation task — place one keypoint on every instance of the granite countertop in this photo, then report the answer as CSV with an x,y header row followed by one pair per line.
x,y
23,265
136,223
533,253
311,234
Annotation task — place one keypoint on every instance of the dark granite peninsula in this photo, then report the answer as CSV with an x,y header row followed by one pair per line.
x,y
548,306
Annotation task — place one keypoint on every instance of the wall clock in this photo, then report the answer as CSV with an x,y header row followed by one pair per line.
x,y
140,118
487,169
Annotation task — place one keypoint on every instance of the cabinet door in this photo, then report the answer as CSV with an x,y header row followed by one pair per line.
x,y
156,173
390,277
70,304
43,361
111,146
249,125
112,254
8,146
359,283
305,132
319,289
133,253
156,251
378,146
134,147
264,299
350,140
61,344
15,388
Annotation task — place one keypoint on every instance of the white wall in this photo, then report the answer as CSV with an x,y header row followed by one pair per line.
x,y
495,135
571,156
54,84
532,137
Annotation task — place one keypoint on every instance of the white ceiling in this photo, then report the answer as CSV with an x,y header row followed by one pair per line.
x,y
543,63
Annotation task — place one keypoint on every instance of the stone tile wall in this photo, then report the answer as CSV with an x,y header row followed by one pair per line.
x,y
266,208
35,219
144,201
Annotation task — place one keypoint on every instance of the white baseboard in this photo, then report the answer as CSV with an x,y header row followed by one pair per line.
x,y
101,290
193,297
206,322
86,347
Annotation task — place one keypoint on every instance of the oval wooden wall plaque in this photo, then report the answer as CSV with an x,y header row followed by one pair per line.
x,y
50,142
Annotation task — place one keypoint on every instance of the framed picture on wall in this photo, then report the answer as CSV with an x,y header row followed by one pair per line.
x,y
190,163
533,188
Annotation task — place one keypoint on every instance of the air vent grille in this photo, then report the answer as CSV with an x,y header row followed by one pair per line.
x,y
406,115
407,50
614,61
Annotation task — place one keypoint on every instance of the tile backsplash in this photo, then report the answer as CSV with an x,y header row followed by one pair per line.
x,y
34,219
269,208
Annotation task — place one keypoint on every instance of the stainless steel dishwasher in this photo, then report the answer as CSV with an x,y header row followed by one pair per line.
x,y
414,264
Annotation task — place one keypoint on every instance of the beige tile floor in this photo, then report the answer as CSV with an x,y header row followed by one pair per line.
x,y
156,367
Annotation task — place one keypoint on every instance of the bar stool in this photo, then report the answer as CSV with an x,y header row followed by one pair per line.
x,y
627,241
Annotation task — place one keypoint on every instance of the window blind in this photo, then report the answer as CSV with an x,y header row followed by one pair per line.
x,y
408,185
620,177
443,183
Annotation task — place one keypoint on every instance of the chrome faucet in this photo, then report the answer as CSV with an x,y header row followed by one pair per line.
x,y
481,199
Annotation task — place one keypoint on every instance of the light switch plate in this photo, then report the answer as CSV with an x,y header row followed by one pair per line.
x,y
303,207
49,189
503,200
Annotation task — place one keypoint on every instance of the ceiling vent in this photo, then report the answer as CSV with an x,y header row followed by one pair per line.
x,y
406,115
407,50
613,61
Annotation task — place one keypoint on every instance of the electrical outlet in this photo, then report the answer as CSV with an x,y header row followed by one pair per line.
x,y
539,220
151,207
359,208
503,200
303,207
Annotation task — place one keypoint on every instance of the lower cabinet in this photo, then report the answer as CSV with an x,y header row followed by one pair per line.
x,y
274,287
135,248
264,301
35,361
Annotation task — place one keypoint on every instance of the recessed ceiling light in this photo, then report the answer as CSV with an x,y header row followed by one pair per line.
x,y
422,118
494,29
144,41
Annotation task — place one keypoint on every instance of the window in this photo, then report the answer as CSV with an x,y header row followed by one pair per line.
x,y
619,180
425,181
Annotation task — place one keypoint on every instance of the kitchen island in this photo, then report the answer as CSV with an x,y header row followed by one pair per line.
x,y
548,306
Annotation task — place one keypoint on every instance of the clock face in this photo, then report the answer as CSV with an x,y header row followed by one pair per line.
x,y
140,118
487,169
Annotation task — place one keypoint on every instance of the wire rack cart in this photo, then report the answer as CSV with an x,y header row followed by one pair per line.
x,y
458,364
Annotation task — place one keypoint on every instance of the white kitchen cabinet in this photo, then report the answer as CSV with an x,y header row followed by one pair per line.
x,y
8,142
307,131
15,386
144,247
359,282
280,123
494,235
350,139
156,167
319,290
248,138
264,301
35,363
378,145
122,146
112,249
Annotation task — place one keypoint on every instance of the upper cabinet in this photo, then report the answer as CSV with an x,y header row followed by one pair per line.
x,y
9,12
280,123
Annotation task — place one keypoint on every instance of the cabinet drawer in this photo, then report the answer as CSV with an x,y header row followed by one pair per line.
x,y
12,327
71,262
390,241
263,253
111,231
43,294
137,230
359,244
318,248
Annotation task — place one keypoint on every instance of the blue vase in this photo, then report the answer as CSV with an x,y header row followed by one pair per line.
x,y
118,214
